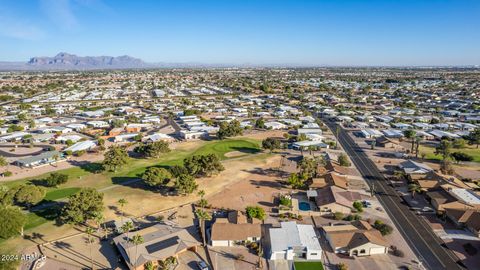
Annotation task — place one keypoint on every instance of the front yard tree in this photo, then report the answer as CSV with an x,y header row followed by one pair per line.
x,y
343,160
256,212
12,220
115,158
82,206
156,177
308,167
260,123
185,184
414,188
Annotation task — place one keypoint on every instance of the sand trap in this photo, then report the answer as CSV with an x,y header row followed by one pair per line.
x,y
234,154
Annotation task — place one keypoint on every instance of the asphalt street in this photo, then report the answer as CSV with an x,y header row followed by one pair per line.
x,y
417,233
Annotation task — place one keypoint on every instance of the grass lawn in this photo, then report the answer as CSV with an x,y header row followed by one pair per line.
x,y
84,176
60,193
471,150
308,266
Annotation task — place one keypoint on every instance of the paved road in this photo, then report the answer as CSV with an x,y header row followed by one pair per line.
x,y
417,233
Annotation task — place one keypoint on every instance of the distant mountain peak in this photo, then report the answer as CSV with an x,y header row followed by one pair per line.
x,y
65,60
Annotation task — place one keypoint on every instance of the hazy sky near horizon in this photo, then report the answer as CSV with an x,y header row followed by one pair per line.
x,y
333,32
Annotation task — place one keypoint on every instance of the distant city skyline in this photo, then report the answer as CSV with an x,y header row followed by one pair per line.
x,y
310,33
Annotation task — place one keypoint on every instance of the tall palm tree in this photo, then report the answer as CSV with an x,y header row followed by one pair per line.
x,y
202,216
137,240
418,140
100,219
122,202
414,188
126,228
90,240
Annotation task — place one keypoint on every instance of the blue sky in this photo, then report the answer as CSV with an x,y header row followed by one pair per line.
x,y
335,32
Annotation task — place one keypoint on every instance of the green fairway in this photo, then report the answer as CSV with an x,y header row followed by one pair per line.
x,y
60,193
308,266
220,148
470,150
85,176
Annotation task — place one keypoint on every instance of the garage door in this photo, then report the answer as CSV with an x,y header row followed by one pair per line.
x,y
377,250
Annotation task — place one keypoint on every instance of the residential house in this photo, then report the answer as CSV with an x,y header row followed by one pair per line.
x,y
356,239
294,240
160,242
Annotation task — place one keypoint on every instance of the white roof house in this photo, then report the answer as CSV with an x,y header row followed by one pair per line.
x,y
158,137
275,125
412,167
80,146
294,240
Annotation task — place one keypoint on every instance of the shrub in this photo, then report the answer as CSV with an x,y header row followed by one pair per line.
x,y
384,229
338,215
358,206
7,173
286,201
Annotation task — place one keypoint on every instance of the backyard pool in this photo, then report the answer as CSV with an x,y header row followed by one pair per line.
x,y
304,206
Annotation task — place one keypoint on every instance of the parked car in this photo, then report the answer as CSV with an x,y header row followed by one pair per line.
x,y
202,265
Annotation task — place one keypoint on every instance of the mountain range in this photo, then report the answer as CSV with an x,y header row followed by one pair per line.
x,y
66,61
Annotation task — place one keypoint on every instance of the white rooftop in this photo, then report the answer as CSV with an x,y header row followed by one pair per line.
x,y
466,195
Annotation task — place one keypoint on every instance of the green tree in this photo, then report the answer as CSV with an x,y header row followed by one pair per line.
x,y
297,181
115,158
410,134
260,123
203,165
82,206
308,167
55,179
343,160
358,206
137,240
414,188
229,129
30,195
271,144
122,202
185,184
444,148
384,229
156,177
152,149
459,143
202,215
126,228
12,221
256,212
474,136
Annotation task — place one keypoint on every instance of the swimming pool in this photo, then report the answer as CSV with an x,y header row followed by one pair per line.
x,y
304,206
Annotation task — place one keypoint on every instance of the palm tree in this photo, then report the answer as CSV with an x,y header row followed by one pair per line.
x,y
127,227
202,216
56,158
410,134
122,202
167,263
90,241
136,240
418,140
100,219
414,188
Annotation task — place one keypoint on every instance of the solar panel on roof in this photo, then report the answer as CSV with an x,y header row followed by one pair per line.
x,y
162,244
